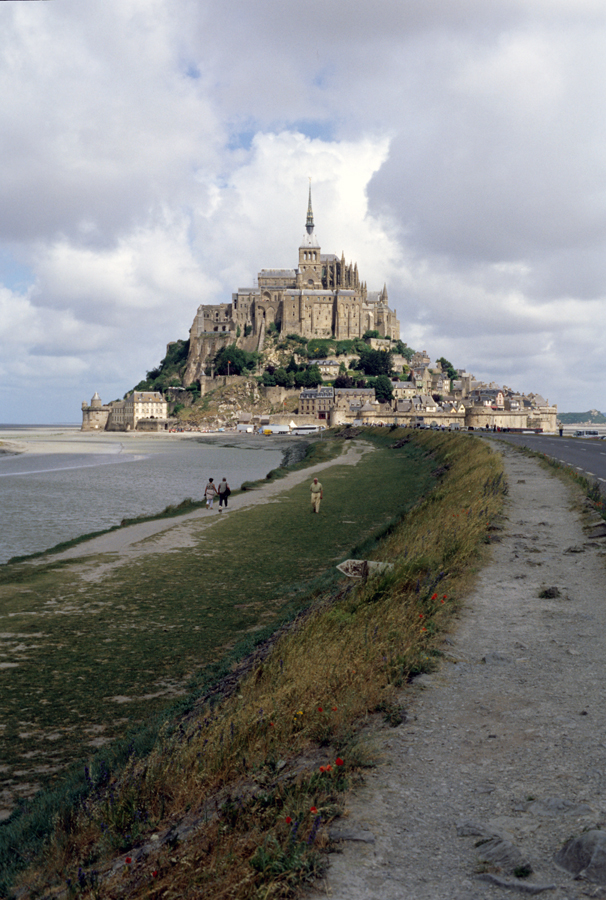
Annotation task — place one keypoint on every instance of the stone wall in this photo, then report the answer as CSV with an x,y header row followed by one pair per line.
x,y
202,349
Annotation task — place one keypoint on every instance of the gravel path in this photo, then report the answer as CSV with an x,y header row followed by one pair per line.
x,y
503,755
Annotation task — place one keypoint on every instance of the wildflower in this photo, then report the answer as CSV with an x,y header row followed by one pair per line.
x,y
434,596
155,873
329,768
334,709
128,860
322,768
339,761
314,809
314,830
423,629
320,709
421,615
445,596
288,820
271,724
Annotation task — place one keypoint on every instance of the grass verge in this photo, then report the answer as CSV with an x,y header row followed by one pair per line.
x,y
235,799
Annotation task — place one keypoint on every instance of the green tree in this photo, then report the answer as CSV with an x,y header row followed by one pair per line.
x,y
233,361
403,350
375,362
372,333
308,378
283,378
383,388
447,367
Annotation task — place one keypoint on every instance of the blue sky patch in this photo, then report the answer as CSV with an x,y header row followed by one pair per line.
x,y
14,275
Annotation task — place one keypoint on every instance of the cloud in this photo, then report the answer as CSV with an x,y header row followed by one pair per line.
x,y
155,161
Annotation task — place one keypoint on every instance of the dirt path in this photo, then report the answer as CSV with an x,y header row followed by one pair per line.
x,y
170,534
503,756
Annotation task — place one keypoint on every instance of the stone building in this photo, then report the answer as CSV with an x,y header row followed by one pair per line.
x,y
95,415
323,297
316,402
142,410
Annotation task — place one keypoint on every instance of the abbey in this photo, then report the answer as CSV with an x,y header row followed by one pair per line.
x,y
322,298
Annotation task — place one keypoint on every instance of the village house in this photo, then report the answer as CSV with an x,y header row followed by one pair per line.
x,y
403,390
329,368
316,402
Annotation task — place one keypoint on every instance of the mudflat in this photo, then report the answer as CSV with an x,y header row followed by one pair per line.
x,y
502,758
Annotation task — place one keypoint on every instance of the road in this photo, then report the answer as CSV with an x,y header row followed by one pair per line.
x,y
587,455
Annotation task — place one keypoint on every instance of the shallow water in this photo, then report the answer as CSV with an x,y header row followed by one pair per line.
x,y
66,483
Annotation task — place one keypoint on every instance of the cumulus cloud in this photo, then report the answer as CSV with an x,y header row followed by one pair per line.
x,y
154,161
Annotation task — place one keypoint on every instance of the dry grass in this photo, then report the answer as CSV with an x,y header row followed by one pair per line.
x,y
258,777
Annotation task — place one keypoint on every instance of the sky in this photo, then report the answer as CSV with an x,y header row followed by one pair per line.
x,y
156,155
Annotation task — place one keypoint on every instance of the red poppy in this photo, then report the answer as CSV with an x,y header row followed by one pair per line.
x,y
420,615
320,709
271,724
322,768
434,596
155,873
128,860
288,820
334,709
329,768
339,761
314,809
423,629
445,596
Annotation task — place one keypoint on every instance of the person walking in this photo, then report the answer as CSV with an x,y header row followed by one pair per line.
x,y
316,495
210,492
224,492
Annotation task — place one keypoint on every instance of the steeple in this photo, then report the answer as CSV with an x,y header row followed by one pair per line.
x,y
309,235
309,224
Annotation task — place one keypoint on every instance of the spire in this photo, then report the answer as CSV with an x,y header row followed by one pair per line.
x,y
309,225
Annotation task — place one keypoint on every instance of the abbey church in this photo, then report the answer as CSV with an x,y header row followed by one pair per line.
x,y
322,298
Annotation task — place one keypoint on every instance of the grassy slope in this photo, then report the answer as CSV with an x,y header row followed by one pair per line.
x,y
141,632
305,702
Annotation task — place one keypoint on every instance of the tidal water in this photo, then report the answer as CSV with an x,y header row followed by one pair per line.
x,y
61,483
